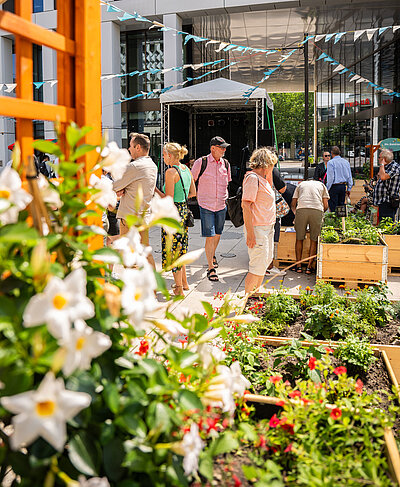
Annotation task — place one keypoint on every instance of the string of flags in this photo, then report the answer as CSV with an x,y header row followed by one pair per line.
x,y
341,69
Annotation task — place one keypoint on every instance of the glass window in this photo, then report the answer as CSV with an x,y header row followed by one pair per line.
x,y
37,6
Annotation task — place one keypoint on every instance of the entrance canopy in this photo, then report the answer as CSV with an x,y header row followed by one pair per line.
x,y
220,89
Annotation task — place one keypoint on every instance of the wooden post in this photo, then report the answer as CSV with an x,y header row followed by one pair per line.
x,y
24,79
372,149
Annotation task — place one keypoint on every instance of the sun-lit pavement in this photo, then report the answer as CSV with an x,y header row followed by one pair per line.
x,y
233,265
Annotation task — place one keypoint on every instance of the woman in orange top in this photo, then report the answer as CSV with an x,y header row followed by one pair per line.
x,y
259,214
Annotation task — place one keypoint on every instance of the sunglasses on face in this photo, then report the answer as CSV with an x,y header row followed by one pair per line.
x,y
327,155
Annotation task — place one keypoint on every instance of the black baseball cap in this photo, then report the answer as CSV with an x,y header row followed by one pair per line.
x,y
219,141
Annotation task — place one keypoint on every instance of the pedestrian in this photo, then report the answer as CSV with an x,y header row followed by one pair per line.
x,y
141,172
309,202
320,170
212,173
339,180
386,192
179,184
259,214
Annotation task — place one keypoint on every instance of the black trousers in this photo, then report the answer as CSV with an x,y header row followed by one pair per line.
x,y
385,210
337,196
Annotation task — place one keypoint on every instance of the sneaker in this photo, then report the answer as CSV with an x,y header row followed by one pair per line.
x,y
275,270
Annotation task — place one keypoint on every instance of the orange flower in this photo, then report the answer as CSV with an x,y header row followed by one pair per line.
x,y
336,413
294,394
275,378
340,370
359,386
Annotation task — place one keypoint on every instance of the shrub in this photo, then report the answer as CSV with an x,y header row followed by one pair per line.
x,y
280,310
373,305
357,352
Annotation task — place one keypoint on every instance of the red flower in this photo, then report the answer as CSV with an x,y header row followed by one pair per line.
x,y
237,481
275,378
212,424
281,403
294,394
274,421
289,427
359,386
340,370
225,423
288,448
261,441
328,350
306,401
336,413
144,347
311,363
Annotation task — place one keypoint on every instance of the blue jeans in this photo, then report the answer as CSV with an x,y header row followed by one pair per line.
x,y
212,222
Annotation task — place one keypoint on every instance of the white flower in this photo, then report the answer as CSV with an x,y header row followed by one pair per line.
x,y
190,448
61,303
247,318
210,355
44,412
164,208
93,482
170,326
239,381
209,335
133,252
115,160
82,345
13,198
137,297
106,195
188,258
48,193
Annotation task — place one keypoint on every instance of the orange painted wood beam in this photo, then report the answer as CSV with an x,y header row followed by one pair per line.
x,y
28,109
24,28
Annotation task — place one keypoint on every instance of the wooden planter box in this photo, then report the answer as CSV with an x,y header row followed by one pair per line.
x,y
352,264
391,448
286,253
393,243
357,191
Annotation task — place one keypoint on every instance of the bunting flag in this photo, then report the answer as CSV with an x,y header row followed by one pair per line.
x,y
354,77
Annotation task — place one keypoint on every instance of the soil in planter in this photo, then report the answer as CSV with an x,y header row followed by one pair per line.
x,y
386,335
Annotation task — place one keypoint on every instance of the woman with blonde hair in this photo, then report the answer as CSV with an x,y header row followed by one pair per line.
x,y
180,186
259,215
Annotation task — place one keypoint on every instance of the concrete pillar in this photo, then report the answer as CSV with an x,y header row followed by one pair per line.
x,y
173,55
111,88
7,125
49,92
48,5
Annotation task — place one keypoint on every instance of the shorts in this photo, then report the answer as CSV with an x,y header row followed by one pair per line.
x,y
311,217
261,254
212,222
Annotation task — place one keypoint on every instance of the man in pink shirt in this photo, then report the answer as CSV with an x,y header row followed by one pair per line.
x,y
212,193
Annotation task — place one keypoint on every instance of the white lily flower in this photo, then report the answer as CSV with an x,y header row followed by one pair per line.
x,y
190,448
61,303
106,196
115,160
137,297
13,198
44,412
188,258
48,193
247,318
82,345
209,335
239,381
93,482
210,355
164,208
133,252
172,327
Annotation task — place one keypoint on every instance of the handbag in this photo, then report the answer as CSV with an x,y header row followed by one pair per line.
x,y
234,204
189,221
282,208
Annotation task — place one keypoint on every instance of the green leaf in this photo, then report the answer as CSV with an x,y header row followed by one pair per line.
x,y
81,151
18,232
208,308
74,134
161,417
68,168
225,444
87,213
250,472
47,146
84,455
249,432
206,466
133,425
107,255
169,222
111,396
189,400
113,456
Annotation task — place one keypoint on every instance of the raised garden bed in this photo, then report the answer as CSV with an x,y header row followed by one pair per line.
x,y
393,243
286,253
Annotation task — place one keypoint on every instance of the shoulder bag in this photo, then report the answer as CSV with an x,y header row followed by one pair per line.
x,y
189,222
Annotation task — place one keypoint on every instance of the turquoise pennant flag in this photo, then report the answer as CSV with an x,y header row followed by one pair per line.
x,y
38,84
322,56
110,8
126,16
338,36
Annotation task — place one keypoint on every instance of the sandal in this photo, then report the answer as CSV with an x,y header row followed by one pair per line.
x,y
298,269
215,263
185,288
212,275
178,291
309,270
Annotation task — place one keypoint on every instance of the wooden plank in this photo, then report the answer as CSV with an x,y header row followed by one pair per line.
x,y
357,191
35,33
393,455
27,109
393,243
352,253
351,271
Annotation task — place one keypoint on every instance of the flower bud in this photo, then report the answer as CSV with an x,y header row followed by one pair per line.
x,y
112,294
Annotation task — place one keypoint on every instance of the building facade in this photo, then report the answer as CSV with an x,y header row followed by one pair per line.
x,y
348,114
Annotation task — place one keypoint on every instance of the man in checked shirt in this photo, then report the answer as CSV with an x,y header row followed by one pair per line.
x,y
387,188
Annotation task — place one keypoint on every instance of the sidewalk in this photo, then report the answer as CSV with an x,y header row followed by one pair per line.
x,y
232,258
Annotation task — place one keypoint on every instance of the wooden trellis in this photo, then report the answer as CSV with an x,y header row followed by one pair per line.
x,y
77,42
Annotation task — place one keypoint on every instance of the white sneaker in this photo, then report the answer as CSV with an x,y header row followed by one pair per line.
x,y
275,270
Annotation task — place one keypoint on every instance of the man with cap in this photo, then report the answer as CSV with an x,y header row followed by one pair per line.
x,y
212,174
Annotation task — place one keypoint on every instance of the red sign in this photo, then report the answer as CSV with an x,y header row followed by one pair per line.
x,y
351,104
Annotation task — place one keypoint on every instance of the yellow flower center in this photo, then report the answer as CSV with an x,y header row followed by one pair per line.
x,y
4,194
45,408
80,343
138,295
59,301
